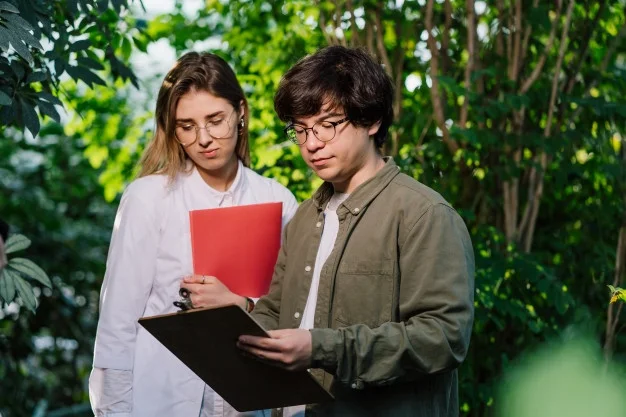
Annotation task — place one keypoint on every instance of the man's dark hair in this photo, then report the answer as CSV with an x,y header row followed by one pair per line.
x,y
346,78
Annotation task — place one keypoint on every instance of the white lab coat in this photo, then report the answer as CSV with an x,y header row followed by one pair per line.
x,y
149,254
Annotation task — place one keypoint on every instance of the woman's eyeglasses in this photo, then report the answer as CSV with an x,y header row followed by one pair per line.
x,y
219,128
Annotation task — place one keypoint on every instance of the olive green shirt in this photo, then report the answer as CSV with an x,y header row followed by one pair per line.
x,y
395,301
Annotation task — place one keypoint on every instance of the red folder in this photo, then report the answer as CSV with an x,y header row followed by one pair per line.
x,y
238,245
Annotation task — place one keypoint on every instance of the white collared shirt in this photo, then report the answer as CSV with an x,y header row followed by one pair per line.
x,y
327,243
149,254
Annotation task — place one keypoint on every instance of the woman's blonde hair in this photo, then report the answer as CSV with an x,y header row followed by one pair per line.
x,y
199,72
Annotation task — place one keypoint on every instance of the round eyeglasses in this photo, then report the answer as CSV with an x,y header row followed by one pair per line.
x,y
324,131
219,128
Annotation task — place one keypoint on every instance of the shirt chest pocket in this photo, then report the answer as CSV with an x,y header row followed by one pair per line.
x,y
364,292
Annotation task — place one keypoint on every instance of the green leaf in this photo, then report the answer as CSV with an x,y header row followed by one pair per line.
x,y
25,291
8,7
7,114
84,74
4,39
117,5
18,69
5,100
38,76
16,243
7,285
22,34
17,20
103,5
30,118
89,63
18,45
44,95
30,269
127,48
80,45
49,110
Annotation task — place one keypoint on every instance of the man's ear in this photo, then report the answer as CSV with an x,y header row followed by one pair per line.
x,y
373,129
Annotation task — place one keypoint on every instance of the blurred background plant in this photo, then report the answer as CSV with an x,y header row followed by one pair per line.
x,y
513,110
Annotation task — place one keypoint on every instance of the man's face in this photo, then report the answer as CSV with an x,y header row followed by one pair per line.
x,y
345,160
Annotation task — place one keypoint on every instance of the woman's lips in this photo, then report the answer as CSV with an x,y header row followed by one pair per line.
x,y
209,154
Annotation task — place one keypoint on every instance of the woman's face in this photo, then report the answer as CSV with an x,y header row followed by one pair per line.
x,y
206,126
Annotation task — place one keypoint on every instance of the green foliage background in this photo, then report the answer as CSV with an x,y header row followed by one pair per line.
x,y
515,114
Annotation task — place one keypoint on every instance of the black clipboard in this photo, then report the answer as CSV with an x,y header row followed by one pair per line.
x,y
205,340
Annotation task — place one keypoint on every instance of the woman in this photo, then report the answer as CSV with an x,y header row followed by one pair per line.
x,y
197,159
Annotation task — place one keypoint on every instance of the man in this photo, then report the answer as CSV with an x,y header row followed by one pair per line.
x,y
374,283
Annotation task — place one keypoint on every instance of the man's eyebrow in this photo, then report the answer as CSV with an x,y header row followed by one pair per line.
x,y
208,116
319,119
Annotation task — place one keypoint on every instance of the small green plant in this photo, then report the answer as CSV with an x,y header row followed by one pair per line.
x,y
617,294
12,276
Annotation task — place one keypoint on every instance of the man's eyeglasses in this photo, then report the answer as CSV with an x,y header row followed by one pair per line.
x,y
219,128
324,131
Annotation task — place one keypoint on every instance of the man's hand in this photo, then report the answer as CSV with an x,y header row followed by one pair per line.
x,y
208,291
287,348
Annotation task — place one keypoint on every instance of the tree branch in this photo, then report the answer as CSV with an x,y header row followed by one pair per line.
x,y
500,32
380,41
471,52
398,67
571,81
355,40
338,13
534,202
612,316
445,36
438,111
517,40
369,36
527,32
542,60
322,25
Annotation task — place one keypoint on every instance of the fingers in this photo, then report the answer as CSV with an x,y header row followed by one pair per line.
x,y
199,279
260,343
272,353
280,334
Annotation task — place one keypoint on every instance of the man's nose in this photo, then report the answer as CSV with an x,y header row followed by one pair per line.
x,y
313,143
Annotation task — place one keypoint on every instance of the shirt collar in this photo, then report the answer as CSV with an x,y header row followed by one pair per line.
x,y
364,193
234,191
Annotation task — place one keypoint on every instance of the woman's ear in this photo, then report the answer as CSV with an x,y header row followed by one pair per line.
x,y
242,109
374,128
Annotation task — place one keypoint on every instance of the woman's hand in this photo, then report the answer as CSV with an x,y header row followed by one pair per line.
x,y
208,291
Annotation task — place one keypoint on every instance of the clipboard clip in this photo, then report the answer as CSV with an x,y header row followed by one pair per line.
x,y
185,300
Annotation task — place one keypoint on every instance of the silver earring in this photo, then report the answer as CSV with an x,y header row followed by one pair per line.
x,y
242,123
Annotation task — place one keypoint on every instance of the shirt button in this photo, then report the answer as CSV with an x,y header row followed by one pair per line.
x,y
297,315
307,268
318,224
356,210
353,385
